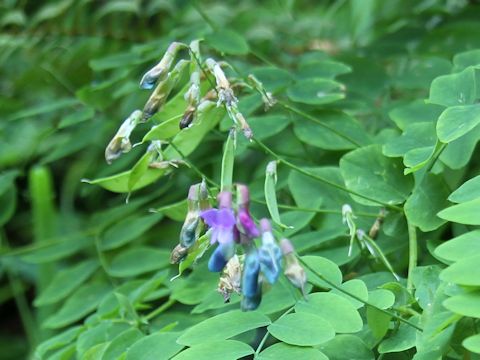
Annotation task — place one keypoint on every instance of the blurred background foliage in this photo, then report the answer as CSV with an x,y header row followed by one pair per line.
x,y
69,72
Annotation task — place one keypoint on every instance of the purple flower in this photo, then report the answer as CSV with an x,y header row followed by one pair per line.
x,y
220,256
222,220
245,223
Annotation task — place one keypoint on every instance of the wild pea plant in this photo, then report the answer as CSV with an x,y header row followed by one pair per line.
x,y
316,191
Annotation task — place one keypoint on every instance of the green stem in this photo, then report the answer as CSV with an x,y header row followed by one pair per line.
x,y
412,254
321,179
165,306
318,122
319,211
264,339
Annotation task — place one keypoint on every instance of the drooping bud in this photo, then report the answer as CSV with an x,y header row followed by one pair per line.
x,y
187,118
220,256
267,98
251,286
348,219
178,254
163,89
269,254
121,141
160,71
230,281
245,223
293,270
192,227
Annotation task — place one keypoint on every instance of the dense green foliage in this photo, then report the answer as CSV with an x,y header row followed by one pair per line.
x,y
377,107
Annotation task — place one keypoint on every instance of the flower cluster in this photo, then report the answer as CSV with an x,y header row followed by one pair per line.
x,y
232,229
166,75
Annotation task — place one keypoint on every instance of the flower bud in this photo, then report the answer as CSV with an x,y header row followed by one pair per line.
x,y
245,223
269,254
251,286
161,92
192,227
178,254
121,141
160,71
220,256
293,270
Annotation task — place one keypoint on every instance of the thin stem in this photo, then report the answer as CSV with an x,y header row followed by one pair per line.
x,y
412,254
393,315
319,211
318,122
204,16
165,306
321,179
264,339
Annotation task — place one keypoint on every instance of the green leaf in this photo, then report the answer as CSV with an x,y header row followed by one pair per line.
x,y
456,121
119,182
463,272
285,351
460,247
216,350
165,130
43,108
59,248
328,269
223,326
464,304
454,89
337,310
228,41
76,117
355,287
469,190
159,346
127,263
327,69
427,199
347,347
402,340
228,160
464,213
128,230
270,193
316,91
96,352
121,344
415,135
194,253
103,332
318,136
82,302
472,343
378,322
188,139
381,298
66,281
58,341
466,59
268,125
415,112
368,172
302,329
272,78
458,152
